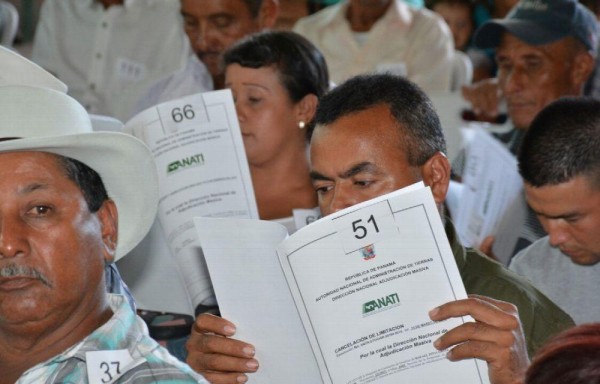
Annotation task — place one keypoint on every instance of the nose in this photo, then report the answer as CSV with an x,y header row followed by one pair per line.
x,y
204,38
513,81
239,110
12,238
342,198
557,234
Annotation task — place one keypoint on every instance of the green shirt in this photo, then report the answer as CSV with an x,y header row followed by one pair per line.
x,y
540,317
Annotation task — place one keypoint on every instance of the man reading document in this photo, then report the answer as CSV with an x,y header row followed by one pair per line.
x,y
375,134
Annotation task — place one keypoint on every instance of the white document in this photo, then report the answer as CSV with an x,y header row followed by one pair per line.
x,y
492,185
202,169
353,305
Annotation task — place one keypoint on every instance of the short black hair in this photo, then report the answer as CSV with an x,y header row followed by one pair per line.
x,y
89,181
420,130
300,65
253,6
562,142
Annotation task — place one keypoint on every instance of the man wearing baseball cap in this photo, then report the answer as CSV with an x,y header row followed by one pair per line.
x,y
71,201
543,26
545,49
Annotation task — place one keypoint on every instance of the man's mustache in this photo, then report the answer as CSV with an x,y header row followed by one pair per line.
x,y
15,270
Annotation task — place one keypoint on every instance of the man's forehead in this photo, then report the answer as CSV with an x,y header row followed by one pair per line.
x,y
372,124
30,171
30,160
238,8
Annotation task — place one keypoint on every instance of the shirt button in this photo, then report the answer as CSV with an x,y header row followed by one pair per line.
x,y
92,86
104,24
98,55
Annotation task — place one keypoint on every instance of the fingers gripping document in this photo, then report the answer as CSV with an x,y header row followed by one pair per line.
x,y
344,300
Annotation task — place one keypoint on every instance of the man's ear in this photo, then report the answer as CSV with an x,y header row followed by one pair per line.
x,y
306,108
109,221
269,10
583,66
436,174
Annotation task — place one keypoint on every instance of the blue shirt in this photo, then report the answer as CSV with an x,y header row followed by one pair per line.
x,y
120,351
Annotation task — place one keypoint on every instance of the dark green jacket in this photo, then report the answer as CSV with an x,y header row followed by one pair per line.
x,y
540,317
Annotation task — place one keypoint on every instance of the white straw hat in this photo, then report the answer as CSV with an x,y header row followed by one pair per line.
x,y
35,118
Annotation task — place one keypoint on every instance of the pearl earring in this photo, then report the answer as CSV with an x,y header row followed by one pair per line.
x,y
301,124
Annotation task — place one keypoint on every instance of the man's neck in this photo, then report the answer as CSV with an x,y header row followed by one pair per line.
x,y
109,3
219,81
26,345
362,14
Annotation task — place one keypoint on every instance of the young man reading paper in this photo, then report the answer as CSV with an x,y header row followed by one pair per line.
x,y
376,134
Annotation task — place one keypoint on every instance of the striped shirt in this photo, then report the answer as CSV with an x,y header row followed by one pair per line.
x,y
120,351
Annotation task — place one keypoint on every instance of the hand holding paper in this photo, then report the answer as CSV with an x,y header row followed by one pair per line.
x,y
496,336
214,354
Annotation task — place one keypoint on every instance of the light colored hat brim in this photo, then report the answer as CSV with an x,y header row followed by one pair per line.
x,y
128,173
17,70
41,119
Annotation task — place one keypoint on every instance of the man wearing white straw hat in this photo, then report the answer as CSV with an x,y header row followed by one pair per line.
x,y
71,201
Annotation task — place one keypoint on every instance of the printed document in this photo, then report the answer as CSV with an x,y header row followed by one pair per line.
x,y
492,187
202,169
344,300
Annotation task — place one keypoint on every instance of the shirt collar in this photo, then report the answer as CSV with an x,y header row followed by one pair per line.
x,y
399,13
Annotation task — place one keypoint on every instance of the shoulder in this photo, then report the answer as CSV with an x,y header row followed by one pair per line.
x,y
318,20
540,317
191,79
532,254
157,371
424,19
154,5
58,9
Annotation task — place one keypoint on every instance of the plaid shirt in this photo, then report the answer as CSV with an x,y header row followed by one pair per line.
x,y
145,361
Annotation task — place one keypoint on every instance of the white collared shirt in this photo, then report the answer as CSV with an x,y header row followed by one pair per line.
x,y
108,58
406,41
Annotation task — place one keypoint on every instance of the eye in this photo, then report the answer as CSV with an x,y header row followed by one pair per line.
x,y
39,211
254,100
322,189
572,219
189,23
222,22
504,66
363,183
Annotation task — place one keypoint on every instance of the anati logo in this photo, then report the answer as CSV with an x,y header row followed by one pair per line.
x,y
187,162
386,302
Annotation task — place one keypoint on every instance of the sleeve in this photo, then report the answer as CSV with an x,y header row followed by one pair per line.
x,y
432,55
44,39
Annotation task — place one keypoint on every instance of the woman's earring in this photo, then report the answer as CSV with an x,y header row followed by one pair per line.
x,y
301,124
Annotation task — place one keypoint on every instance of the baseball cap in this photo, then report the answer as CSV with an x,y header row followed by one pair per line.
x,y
538,22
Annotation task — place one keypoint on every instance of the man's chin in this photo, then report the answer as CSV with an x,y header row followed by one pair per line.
x,y
521,116
582,257
212,62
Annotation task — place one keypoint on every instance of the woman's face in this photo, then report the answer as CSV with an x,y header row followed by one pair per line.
x,y
458,18
268,118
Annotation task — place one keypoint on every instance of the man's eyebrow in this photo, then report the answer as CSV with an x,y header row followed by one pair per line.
x,y
32,188
565,216
314,175
353,171
359,168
